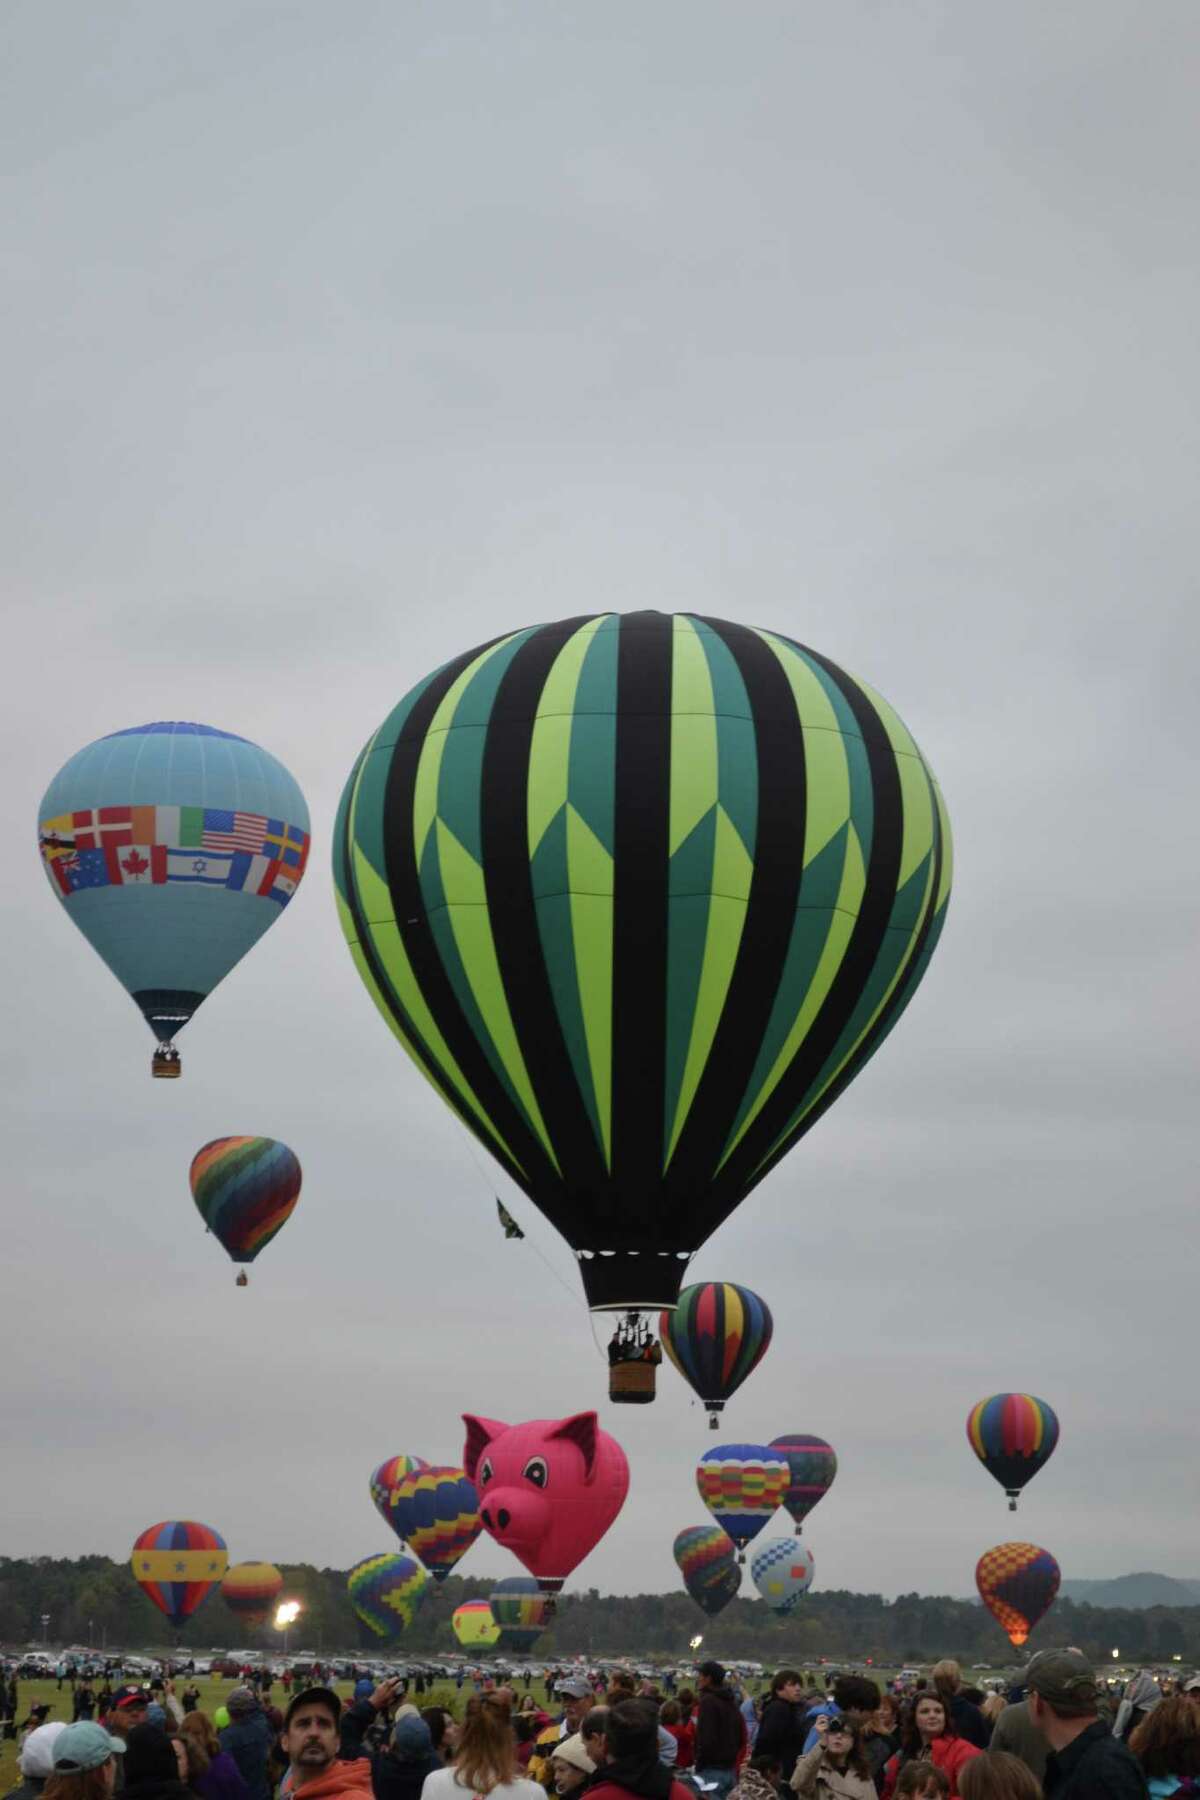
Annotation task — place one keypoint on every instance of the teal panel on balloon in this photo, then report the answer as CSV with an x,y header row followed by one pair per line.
x,y
173,847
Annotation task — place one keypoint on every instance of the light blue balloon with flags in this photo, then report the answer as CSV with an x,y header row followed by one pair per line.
x,y
782,1570
173,847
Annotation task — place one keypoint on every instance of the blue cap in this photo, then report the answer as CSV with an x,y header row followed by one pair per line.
x,y
363,1689
85,1745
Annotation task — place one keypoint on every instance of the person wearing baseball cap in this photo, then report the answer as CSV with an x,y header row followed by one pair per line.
x,y
85,1761
129,1707
247,1738
575,1692
36,1760
311,1739
1085,1762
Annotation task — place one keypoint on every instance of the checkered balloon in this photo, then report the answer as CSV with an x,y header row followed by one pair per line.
x,y
782,1570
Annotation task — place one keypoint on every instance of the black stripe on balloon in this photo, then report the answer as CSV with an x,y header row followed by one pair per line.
x,y
639,1004
392,1000
897,1000
699,1198
412,923
866,940
508,878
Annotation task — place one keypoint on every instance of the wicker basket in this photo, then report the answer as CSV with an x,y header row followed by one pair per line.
x,y
631,1383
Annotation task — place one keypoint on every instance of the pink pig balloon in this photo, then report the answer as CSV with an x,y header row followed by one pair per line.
x,y
548,1489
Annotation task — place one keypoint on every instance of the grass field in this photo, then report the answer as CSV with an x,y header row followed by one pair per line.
x,y
212,1694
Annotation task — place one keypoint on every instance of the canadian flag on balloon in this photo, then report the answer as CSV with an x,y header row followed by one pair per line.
x,y
131,863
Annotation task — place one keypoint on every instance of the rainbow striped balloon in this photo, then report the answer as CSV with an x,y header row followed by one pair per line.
x,y
387,1592
387,1478
178,1563
742,1485
245,1189
1018,1584
706,1559
1013,1435
716,1334
436,1512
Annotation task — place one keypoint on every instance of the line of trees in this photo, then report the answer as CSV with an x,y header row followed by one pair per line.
x,y
92,1600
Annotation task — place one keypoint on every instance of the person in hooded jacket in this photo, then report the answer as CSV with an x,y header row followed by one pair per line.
x,y
720,1747
399,1768
633,1766
248,1739
1140,1698
152,1769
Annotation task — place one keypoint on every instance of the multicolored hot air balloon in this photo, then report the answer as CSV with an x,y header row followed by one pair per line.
x,y
1017,1583
245,1189
386,1592
641,895
387,1478
812,1464
519,1608
435,1511
250,1590
782,1570
708,1563
178,1563
548,1488
1013,1435
742,1485
716,1335
173,847
474,1626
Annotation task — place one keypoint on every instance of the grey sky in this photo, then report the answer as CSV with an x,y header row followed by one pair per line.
x,y
340,337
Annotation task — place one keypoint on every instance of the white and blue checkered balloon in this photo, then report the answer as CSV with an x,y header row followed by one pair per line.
x,y
782,1570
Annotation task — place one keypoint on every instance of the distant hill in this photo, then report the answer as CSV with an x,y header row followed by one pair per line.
x,y
1133,1591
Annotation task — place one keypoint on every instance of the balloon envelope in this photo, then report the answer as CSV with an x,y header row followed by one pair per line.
x,y
1013,1435
708,1563
245,1189
474,1626
250,1590
173,847
1017,1583
386,1592
782,1570
641,895
435,1511
178,1563
716,1334
742,1485
812,1465
519,1608
548,1488
386,1479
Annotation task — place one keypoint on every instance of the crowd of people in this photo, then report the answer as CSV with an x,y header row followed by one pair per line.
x,y
1059,1735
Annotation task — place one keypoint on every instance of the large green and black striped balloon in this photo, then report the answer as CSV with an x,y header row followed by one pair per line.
x,y
640,895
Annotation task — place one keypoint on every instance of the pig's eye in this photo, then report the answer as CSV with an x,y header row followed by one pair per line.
x,y
535,1470
485,1472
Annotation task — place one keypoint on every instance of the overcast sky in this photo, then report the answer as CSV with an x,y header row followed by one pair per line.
x,y
339,338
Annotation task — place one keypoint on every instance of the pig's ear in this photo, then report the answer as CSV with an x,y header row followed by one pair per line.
x,y
582,1431
480,1433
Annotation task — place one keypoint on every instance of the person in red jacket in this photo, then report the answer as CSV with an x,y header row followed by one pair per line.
x,y
671,1716
633,1768
926,1732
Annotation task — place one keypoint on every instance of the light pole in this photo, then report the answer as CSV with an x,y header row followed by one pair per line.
x,y
45,1628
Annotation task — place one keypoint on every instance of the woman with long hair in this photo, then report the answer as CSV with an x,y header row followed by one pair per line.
x,y
85,1765
486,1763
836,1767
211,1771
928,1733
1167,1744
